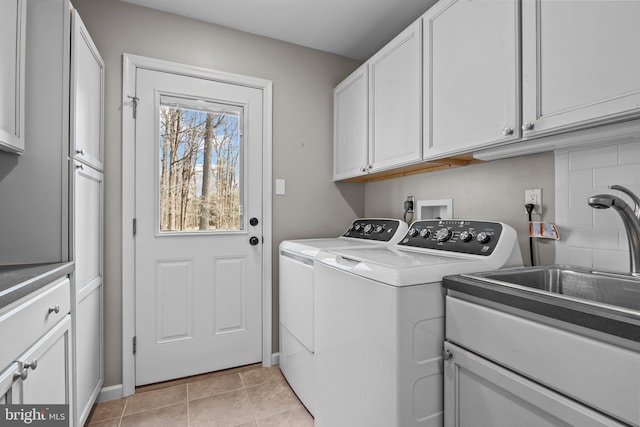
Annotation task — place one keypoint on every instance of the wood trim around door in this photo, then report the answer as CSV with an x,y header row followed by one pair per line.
x,y
130,64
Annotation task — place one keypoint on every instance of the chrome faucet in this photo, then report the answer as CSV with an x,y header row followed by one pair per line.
x,y
630,219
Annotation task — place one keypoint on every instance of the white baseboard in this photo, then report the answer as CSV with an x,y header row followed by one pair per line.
x,y
275,359
112,392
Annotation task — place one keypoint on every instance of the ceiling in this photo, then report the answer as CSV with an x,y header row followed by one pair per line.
x,y
352,28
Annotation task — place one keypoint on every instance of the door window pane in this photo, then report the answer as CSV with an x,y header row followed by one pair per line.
x,y
200,166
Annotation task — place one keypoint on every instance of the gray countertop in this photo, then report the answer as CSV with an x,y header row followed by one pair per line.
x,y
624,324
17,281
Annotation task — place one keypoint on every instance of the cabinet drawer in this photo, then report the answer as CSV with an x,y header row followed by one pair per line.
x,y
601,375
23,323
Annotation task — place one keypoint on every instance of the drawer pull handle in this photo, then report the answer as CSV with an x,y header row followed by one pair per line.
x,y
21,374
80,151
55,309
33,365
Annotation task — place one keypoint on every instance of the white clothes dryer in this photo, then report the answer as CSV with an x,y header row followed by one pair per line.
x,y
297,295
379,321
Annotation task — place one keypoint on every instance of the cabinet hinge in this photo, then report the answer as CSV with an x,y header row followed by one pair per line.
x,y
134,344
134,101
135,226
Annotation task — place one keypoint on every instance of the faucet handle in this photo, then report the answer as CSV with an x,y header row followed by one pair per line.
x,y
629,193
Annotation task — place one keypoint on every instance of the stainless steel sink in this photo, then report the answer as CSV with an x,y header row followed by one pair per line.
x,y
616,290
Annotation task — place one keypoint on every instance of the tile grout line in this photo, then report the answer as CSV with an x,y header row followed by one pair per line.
x,y
188,406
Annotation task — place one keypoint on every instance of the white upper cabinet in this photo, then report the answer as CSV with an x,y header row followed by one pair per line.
x,y
351,126
87,96
395,102
13,16
581,65
471,75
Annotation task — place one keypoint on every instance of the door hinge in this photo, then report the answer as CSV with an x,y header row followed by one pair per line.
x,y
134,101
135,226
134,344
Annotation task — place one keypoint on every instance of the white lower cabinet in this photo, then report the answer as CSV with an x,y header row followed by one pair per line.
x,y
503,369
49,374
479,393
40,367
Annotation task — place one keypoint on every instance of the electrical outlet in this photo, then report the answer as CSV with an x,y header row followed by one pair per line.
x,y
534,197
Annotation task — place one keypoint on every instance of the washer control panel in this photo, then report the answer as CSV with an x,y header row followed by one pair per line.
x,y
379,230
469,237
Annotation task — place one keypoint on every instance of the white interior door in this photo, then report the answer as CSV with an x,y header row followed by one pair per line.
x,y
198,243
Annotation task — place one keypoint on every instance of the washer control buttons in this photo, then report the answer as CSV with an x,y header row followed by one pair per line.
x,y
379,229
466,236
357,226
412,232
368,228
483,237
424,233
443,235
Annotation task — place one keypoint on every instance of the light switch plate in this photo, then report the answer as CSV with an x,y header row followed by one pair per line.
x,y
280,187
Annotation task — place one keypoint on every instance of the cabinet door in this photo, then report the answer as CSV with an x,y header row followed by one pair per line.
x,y
395,101
88,351
350,127
471,75
580,63
13,16
87,227
49,377
479,393
87,96
8,387
88,295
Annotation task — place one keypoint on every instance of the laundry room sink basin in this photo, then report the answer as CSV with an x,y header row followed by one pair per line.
x,y
598,301
598,287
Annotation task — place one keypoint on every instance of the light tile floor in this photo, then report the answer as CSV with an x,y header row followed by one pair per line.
x,y
250,396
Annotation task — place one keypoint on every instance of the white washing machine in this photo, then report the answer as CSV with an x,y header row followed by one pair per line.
x,y
297,295
379,321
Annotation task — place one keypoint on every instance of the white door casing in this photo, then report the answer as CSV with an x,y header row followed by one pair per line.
x,y
225,326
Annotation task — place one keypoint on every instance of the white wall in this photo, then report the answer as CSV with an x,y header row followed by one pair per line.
x,y
490,191
303,81
594,237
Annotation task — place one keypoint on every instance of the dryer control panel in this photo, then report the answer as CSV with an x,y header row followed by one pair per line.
x,y
377,230
463,236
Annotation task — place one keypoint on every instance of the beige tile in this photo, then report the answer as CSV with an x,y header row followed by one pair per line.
x,y
296,418
169,416
215,385
114,422
251,424
156,399
106,410
261,376
224,410
272,398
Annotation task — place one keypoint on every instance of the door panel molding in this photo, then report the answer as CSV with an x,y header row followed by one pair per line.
x,y
131,63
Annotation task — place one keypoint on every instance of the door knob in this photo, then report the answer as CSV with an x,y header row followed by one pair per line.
x,y
254,221
254,240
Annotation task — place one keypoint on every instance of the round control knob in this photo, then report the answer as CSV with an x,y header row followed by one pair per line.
x,y
379,229
465,236
357,227
443,235
412,232
483,237
368,228
424,233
